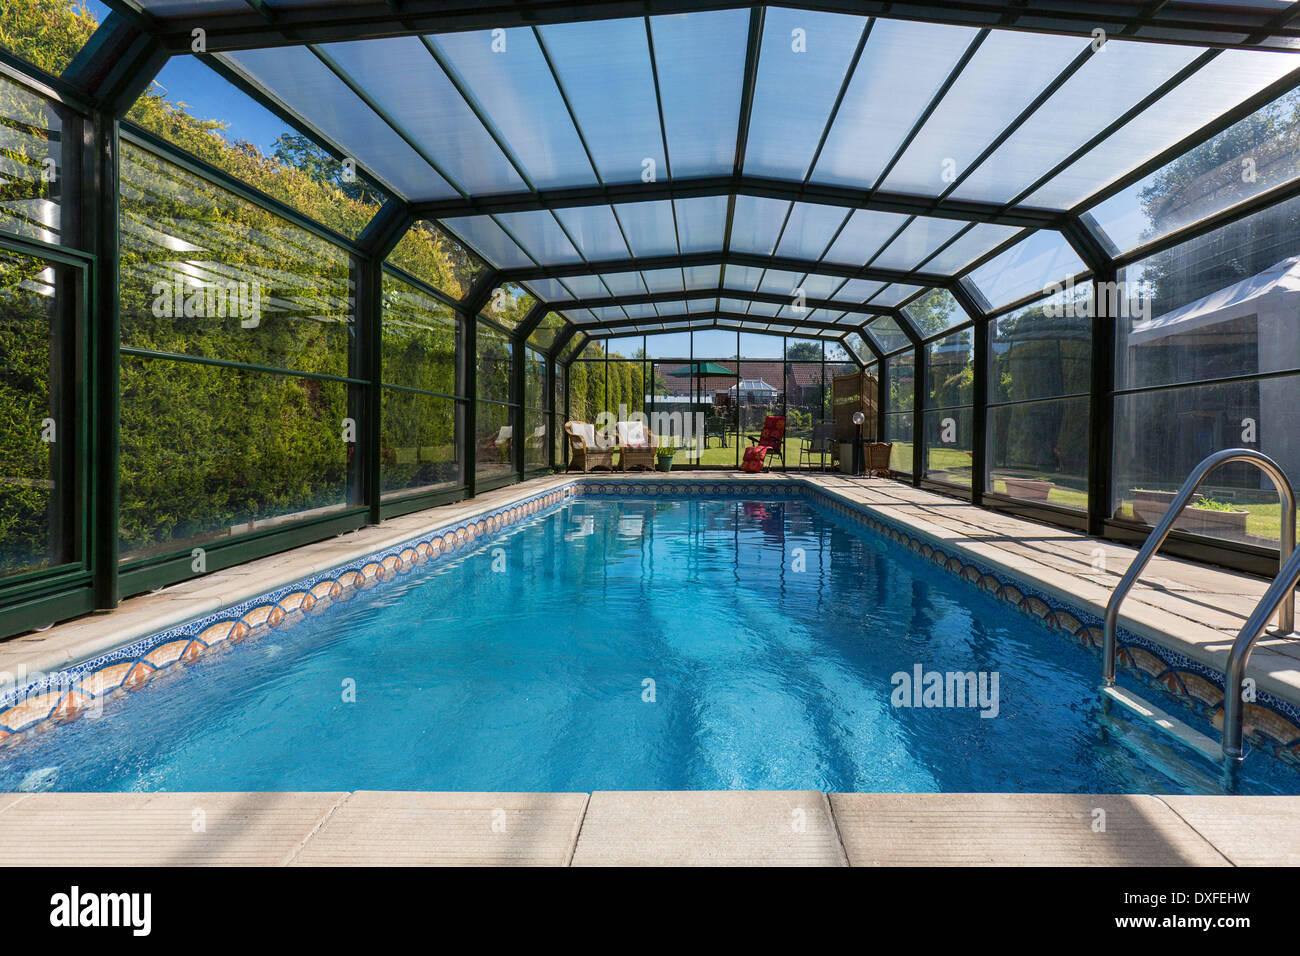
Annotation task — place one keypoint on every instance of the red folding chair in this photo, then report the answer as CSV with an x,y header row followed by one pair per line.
x,y
770,442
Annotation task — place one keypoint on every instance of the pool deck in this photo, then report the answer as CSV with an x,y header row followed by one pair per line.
x,y
696,828
1192,608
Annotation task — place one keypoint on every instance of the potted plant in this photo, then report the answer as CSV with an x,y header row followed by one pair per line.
x,y
664,454
1030,489
1201,516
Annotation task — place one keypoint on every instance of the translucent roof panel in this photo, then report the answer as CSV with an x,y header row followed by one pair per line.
x,y
887,334
1111,82
539,234
549,290
701,223
595,231
488,239
438,119
1254,154
702,277
803,61
663,280
743,278
308,88
1030,266
604,70
770,309
1214,89
756,224
780,282
857,290
820,286
649,227
586,287
516,88
862,237
935,312
623,283
977,241
1006,73
700,59
878,111
917,242
810,229
893,294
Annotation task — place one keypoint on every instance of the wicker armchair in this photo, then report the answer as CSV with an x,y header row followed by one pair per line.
x,y
636,446
879,454
585,452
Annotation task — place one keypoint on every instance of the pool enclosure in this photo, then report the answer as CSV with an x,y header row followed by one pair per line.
x,y
274,270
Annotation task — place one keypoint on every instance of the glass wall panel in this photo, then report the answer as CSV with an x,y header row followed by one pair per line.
x,y
1040,366
900,401
432,255
1161,435
421,339
1214,307
950,392
49,33
206,274
1247,158
37,435
1216,317
193,108
508,305
494,441
418,450
31,164
422,412
209,453
887,335
935,312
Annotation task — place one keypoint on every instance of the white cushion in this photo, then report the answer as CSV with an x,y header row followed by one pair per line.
x,y
586,431
632,433
504,434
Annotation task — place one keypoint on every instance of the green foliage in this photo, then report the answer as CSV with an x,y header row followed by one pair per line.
x,y
45,33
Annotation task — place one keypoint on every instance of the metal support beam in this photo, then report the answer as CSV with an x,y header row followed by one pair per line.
x,y
740,185
1101,407
116,65
377,240
782,263
1204,24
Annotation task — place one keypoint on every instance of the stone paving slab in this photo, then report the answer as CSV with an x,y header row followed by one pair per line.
x,y
684,828
383,828
922,829
1249,831
159,829
714,828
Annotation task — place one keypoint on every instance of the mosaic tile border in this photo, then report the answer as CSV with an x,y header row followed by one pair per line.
x,y
1271,723
62,696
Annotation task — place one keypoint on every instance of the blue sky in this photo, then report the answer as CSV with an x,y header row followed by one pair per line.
x,y
210,97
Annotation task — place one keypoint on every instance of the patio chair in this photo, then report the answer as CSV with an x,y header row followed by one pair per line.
x,y
821,444
496,447
879,454
770,442
585,451
636,447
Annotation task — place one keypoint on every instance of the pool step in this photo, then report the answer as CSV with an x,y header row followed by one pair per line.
x,y
1207,747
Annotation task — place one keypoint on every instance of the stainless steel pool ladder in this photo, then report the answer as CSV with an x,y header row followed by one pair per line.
x,y
1281,593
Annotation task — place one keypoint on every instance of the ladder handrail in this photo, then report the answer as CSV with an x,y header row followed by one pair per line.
x,y
1161,531
1282,589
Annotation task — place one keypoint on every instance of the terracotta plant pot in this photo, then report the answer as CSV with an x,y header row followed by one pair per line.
x,y
1150,506
1030,489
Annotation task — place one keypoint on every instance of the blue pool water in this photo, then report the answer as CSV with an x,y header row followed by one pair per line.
x,y
770,630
